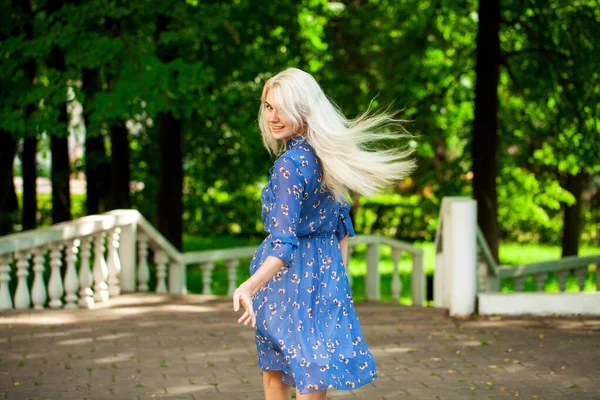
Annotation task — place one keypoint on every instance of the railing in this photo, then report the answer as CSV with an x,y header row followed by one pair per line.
x,y
206,261
490,275
107,262
108,254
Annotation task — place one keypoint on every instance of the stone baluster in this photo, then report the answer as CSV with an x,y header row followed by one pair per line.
x,y
581,275
100,270
350,251
39,296
232,269
5,299
562,279
55,286
114,263
418,281
143,270
71,282
22,297
396,283
541,281
161,259
207,269
373,278
519,283
86,280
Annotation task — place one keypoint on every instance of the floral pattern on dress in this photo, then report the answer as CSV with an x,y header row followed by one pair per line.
x,y
306,325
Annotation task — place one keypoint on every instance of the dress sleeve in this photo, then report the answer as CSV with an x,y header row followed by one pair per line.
x,y
288,189
344,226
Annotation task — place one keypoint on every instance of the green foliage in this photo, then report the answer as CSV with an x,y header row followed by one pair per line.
x,y
206,63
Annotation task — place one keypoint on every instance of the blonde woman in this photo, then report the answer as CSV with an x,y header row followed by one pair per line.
x,y
298,298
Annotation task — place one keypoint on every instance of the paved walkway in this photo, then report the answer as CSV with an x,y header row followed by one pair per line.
x,y
148,346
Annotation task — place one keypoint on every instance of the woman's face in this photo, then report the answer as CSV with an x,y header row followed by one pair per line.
x,y
280,127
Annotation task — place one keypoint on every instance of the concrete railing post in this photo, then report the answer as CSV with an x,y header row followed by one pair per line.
x,y
127,255
456,258
373,278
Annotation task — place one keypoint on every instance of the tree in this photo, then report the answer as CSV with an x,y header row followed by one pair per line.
x,y
61,193
485,123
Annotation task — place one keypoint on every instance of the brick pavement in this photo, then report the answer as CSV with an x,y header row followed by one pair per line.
x,y
149,346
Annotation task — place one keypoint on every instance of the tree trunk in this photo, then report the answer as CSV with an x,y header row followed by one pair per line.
x,y
97,170
97,175
485,124
28,157
29,163
170,187
119,166
61,194
572,216
8,197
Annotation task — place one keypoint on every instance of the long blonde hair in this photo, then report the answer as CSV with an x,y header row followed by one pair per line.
x,y
340,144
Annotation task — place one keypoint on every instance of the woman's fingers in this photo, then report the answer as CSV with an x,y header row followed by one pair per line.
x,y
243,297
244,316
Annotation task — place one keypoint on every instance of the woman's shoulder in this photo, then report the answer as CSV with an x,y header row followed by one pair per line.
x,y
301,155
301,160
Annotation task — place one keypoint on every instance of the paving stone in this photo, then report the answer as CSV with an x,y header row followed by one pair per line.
x,y
143,345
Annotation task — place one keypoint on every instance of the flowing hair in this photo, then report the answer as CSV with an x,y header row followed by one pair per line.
x,y
341,144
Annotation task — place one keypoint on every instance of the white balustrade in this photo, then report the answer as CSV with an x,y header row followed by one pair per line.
x,y
86,280
55,286
71,281
100,270
396,283
128,257
114,263
39,295
581,274
22,297
373,275
177,278
519,283
207,269
418,280
5,299
143,270
231,274
161,259
562,278
541,281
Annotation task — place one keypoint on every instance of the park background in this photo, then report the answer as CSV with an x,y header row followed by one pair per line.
x,y
154,105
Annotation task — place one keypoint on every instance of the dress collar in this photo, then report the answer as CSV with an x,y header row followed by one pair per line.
x,y
294,141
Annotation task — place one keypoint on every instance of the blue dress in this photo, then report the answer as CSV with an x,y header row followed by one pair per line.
x,y
306,325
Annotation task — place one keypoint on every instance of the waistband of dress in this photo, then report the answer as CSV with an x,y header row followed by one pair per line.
x,y
317,235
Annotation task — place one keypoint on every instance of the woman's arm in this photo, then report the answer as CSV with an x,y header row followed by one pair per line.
x,y
263,274
247,289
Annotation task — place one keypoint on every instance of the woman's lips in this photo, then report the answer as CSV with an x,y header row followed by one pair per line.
x,y
274,129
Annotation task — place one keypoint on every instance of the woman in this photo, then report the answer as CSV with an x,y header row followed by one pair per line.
x,y
298,297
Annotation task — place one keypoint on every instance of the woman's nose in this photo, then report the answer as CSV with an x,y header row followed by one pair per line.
x,y
273,117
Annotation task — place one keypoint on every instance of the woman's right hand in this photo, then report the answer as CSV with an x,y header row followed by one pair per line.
x,y
242,295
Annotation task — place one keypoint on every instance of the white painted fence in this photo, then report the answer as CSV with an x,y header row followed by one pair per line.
x,y
108,254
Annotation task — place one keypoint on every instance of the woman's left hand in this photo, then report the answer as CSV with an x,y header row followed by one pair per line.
x,y
242,294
